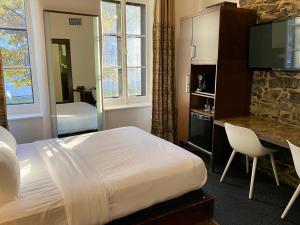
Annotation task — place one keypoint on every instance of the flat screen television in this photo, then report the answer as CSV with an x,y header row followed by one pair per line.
x,y
275,46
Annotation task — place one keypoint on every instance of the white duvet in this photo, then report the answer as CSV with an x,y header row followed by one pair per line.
x,y
96,178
76,117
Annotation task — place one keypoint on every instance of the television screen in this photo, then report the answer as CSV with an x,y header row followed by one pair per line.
x,y
275,46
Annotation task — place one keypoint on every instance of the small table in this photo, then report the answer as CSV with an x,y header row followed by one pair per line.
x,y
267,130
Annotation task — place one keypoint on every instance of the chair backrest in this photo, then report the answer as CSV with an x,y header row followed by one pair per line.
x,y
296,156
243,140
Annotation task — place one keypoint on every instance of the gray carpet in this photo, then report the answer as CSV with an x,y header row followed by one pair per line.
x,y
232,206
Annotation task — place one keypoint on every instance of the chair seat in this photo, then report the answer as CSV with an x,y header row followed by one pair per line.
x,y
265,151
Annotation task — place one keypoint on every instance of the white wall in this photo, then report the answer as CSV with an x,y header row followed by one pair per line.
x,y
79,6
37,126
138,117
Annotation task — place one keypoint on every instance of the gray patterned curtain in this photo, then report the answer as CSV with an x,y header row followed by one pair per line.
x,y
163,112
3,114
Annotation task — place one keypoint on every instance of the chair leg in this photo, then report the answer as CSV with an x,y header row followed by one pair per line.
x,y
274,168
253,177
228,165
295,195
247,164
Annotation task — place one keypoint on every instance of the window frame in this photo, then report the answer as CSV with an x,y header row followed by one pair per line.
x,y
15,110
125,100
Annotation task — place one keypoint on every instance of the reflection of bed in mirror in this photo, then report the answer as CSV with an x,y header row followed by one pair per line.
x,y
76,117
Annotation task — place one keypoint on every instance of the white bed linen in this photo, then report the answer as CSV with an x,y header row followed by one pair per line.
x,y
137,169
76,117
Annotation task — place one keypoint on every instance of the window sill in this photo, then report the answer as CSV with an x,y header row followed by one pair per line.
x,y
129,106
24,116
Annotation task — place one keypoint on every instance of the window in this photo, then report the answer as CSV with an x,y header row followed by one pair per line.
x,y
15,52
124,49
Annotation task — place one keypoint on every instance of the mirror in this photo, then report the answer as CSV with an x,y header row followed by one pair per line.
x,y
73,70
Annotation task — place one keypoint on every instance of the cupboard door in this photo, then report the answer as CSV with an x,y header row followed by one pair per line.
x,y
206,37
184,71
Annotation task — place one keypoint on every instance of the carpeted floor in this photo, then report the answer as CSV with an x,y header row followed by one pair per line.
x,y
232,206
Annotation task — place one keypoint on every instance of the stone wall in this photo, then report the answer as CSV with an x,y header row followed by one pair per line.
x,y
276,95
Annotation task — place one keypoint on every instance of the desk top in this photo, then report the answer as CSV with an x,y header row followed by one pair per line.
x,y
267,130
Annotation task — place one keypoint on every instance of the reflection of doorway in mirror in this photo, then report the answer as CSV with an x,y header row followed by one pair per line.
x,y
62,70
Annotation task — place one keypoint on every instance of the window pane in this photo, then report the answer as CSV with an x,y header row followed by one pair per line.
x,y
14,48
135,51
12,13
18,86
112,51
112,82
111,17
135,15
136,81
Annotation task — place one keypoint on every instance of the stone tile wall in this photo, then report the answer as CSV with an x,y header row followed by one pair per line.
x,y
276,95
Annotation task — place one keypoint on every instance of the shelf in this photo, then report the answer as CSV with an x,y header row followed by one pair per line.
x,y
201,111
203,94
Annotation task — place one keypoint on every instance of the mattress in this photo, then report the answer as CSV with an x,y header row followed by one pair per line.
x,y
76,117
139,170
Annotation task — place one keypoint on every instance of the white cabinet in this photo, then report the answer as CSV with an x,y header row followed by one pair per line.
x,y
206,38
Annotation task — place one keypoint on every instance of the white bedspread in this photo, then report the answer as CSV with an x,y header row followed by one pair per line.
x,y
132,169
76,117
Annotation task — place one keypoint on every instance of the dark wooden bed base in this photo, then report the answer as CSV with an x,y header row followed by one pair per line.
x,y
189,209
77,133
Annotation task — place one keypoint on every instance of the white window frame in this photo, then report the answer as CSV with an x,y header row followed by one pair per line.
x,y
30,109
132,101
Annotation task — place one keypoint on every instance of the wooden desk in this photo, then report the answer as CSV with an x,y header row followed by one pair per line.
x,y
267,130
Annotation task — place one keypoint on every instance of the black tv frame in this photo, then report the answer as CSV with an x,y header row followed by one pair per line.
x,y
267,68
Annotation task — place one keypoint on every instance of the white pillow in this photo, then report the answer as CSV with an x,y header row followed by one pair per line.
x,y
9,139
9,168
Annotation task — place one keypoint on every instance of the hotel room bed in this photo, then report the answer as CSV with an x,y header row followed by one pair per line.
x,y
99,176
76,117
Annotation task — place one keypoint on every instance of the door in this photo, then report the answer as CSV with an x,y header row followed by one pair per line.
x,y
184,59
62,70
206,37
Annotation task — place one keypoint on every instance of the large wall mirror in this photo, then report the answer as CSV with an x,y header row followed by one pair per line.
x,y
73,69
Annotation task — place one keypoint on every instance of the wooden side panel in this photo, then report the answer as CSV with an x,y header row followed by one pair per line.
x,y
190,209
183,75
234,26
233,89
234,80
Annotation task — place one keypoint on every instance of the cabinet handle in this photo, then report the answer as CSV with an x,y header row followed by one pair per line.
x,y
193,51
187,83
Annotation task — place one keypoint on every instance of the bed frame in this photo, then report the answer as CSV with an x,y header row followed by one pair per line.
x,y
190,209
77,133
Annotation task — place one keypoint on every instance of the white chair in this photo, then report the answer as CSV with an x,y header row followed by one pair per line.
x,y
296,157
245,141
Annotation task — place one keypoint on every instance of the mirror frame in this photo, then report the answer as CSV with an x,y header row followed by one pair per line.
x,y
51,86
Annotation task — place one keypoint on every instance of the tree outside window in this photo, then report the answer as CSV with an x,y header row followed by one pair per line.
x,y
15,52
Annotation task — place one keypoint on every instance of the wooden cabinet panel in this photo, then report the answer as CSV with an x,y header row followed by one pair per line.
x,y
184,72
206,37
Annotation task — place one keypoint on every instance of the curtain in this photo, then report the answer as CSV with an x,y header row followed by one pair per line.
x,y
3,114
164,93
